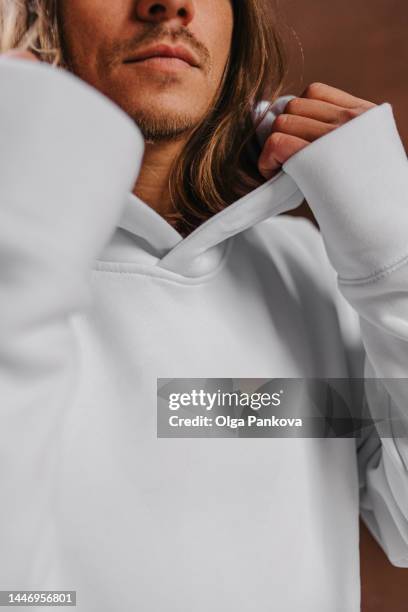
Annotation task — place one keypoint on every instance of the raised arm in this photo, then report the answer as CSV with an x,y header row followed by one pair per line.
x,y
68,157
355,179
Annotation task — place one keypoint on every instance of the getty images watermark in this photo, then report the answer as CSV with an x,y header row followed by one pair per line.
x,y
210,401
284,407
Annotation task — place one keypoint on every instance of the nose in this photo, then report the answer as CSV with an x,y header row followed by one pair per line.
x,y
165,10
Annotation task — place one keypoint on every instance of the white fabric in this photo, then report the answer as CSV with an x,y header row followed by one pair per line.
x,y
99,297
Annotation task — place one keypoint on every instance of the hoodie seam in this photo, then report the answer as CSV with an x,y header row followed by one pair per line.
x,y
376,276
107,268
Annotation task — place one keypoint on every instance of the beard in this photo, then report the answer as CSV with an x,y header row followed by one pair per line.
x,y
162,122
156,124
163,127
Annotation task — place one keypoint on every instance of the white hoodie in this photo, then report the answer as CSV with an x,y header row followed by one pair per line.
x,y
100,296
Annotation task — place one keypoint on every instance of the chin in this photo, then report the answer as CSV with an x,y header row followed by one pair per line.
x,y
163,119
162,126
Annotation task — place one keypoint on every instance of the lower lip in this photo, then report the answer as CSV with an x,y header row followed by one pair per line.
x,y
167,64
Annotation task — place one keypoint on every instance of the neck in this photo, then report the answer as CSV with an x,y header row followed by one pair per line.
x,y
152,185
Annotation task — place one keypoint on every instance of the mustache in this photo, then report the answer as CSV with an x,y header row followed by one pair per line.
x,y
157,33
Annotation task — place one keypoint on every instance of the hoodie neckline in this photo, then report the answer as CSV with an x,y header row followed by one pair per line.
x,y
151,241
139,219
201,251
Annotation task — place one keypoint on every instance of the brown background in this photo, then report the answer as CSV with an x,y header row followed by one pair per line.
x,y
360,46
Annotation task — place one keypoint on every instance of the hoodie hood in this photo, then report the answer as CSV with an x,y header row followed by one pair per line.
x,y
144,236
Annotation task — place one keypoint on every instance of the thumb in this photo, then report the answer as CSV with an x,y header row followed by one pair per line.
x,y
277,150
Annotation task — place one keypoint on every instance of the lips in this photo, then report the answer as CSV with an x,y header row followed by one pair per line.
x,y
164,51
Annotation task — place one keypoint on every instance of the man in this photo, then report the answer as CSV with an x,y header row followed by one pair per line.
x,y
114,51
192,274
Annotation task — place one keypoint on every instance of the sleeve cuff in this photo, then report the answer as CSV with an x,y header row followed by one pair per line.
x,y
355,180
68,157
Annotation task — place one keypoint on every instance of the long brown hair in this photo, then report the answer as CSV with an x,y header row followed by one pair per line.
x,y
215,167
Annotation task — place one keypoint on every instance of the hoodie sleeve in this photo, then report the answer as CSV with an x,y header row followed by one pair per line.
x,y
68,158
355,180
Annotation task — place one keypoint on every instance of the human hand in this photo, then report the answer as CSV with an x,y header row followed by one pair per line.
x,y
318,111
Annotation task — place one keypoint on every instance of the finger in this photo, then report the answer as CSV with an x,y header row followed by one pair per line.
x,y
320,110
302,127
277,150
327,93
